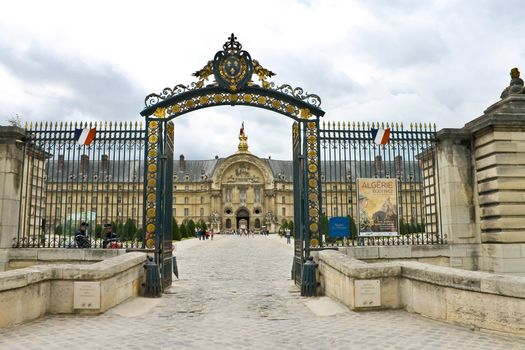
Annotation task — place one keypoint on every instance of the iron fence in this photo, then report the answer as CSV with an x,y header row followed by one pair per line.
x,y
349,153
67,180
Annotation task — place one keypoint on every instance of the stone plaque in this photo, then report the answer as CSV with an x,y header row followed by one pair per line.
x,y
86,295
367,293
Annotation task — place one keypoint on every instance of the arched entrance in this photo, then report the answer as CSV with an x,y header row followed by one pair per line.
x,y
243,219
232,69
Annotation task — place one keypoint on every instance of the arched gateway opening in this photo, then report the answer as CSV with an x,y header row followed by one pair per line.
x,y
232,70
243,219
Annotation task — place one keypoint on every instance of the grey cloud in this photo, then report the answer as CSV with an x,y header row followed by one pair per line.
x,y
315,75
404,47
97,91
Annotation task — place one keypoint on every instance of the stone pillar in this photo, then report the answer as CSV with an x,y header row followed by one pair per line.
x,y
456,182
499,152
11,162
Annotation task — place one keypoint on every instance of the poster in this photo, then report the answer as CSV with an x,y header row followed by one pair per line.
x,y
377,207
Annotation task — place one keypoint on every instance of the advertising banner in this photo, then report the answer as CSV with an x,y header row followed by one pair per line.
x,y
377,207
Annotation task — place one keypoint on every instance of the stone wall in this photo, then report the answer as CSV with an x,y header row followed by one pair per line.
x,y
463,256
29,293
18,258
470,298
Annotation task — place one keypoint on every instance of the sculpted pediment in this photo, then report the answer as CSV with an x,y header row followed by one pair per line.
x,y
242,169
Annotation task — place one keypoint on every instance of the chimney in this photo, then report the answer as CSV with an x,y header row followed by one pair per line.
x,y
398,164
182,163
378,164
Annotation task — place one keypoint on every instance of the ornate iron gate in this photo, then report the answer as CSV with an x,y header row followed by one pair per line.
x,y
232,69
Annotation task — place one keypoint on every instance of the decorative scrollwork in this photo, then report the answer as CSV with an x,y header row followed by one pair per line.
x,y
298,93
232,70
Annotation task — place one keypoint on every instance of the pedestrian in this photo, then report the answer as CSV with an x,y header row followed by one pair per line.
x,y
288,235
111,237
81,239
212,233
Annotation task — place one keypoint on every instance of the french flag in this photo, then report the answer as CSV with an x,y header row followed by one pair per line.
x,y
381,136
85,136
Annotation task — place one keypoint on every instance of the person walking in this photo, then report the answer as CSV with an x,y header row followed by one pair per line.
x,y
288,235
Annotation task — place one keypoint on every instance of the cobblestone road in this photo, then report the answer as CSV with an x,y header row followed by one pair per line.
x,y
235,293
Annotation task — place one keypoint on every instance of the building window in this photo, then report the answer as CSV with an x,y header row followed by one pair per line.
x,y
257,223
336,211
186,212
186,200
242,195
284,211
202,212
174,211
257,195
174,200
186,188
228,223
228,194
283,199
202,200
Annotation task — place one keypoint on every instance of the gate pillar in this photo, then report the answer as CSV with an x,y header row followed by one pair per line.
x,y
159,195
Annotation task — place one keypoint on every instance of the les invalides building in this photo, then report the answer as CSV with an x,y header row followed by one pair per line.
x,y
241,191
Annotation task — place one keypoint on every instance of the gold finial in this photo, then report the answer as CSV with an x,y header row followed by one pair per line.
x,y
338,125
434,126
368,125
411,127
382,125
243,141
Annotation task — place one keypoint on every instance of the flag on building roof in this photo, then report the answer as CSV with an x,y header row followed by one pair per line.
x,y
242,129
85,136
381,136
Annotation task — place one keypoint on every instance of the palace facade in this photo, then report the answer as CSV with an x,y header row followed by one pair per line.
x,y
241,191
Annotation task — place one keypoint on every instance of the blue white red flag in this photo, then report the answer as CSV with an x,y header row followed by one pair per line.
x,y
242,129
85,136
381,136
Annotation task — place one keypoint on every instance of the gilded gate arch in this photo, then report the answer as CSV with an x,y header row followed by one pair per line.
x,y
231,71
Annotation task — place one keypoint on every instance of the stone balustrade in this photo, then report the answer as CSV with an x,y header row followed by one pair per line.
x,y
470,298
31,292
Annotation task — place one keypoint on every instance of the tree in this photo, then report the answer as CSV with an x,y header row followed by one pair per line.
x,y
202,225
98,230
15,121
190,228
323,225
284,224
58,230
183,231
176,232
290,226
129,230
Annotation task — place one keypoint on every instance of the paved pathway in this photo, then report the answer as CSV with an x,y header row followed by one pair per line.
x,y
235,293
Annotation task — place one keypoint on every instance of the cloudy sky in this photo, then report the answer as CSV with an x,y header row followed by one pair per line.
x,y
441,61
